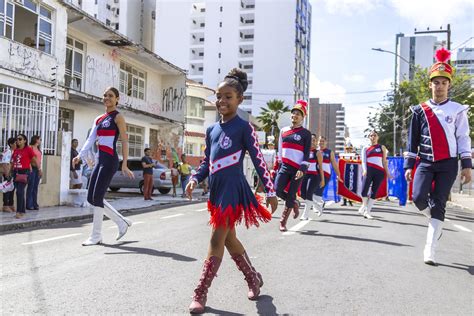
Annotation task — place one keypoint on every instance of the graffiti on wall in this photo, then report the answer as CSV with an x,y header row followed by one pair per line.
x,y
100,73
26,60
173,99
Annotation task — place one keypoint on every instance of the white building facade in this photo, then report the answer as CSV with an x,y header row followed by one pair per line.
x,y
418,50
464,61
270,40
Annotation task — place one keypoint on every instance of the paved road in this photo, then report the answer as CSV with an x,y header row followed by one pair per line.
x,y
339,263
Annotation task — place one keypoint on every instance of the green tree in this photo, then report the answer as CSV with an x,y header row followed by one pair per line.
x,y
412,92
269,117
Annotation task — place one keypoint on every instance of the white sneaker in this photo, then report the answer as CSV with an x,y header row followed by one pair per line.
x,y
367,215
91,242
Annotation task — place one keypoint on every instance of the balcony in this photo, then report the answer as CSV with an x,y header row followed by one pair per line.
x,y
247,35
197,39
246,51
198,9
247,66
198,23
247,4
196,54
247,19
196,69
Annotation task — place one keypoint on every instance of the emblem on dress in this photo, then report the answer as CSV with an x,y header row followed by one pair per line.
x,y
106,122
225,142
297,137
448,119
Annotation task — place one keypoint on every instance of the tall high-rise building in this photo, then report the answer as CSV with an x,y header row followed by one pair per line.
x,y
328,119
464,61
270,40
134,19
418,50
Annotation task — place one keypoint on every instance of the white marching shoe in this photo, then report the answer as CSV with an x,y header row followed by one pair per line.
x,y
122,222
307,207
368,209
96,236
363,207
435,228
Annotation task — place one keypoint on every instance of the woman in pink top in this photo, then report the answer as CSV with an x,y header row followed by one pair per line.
x,y
35,175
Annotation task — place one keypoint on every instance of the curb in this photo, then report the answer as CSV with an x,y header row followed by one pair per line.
x,y
60,220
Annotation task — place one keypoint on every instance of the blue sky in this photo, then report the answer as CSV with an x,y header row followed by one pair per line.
x,y
343,33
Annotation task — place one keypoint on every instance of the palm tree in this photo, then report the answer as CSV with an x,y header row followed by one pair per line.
x,y
269,117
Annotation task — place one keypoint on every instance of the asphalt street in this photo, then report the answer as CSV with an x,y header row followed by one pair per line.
x,y
339,263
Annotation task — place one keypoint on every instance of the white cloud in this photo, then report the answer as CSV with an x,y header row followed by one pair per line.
x,y
434,13
350,7
384,84
326,91
354,78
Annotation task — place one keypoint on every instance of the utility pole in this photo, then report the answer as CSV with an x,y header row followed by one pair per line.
x,y
447,31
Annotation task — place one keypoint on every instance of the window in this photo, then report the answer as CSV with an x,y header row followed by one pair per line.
x,y
220,39
74,63
107,22
190,149
219,55
220,24
135,141
20,21
66,120
195,107
132,81
116,26
220,8
218,70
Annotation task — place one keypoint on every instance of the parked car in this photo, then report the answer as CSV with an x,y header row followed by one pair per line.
x,y
161,177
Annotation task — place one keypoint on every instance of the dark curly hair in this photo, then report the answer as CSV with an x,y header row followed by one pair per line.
x,y
237,79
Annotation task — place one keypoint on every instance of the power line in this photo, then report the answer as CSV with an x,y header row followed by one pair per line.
x,y
335,93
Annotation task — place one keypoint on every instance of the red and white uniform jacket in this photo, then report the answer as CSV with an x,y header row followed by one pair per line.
x,y
438,132
294,147
372,156
313,163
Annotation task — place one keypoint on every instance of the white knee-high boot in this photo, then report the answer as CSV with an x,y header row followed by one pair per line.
x,y
96,235
318,204
435,227
307,208
368,209
363,207
122,222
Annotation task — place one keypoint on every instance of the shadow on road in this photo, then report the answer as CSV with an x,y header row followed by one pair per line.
x,y
342,223
459,266
265,305
210,310
315,233
145,251
410,224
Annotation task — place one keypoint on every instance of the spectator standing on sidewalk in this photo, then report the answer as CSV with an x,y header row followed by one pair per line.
x,y
147,164
75,176
174,177
5,168
22,159
184,170
35,175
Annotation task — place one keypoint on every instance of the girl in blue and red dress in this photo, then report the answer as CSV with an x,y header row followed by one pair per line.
x,y
312,179
292,161
374,169
231,200
106,130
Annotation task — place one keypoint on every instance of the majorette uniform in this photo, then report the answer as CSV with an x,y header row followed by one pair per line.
x,y
318,193
293,154
438,135
105,131
372,166
311,181
231,200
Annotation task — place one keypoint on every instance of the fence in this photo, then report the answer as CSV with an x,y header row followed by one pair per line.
x,y
30,114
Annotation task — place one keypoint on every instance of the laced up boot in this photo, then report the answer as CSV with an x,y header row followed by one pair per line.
x,y
284,218
253,278
209,271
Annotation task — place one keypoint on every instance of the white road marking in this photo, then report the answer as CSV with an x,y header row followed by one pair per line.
x,y
133,224
204,209
50,239
171,216
462,228
447,220
295,228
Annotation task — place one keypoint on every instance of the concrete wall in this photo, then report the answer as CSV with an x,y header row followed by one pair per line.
x,y
49,188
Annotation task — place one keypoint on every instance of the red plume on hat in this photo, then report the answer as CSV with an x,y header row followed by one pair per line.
x,y
301,105
442,55
442,68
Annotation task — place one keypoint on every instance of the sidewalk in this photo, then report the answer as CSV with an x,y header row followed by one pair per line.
x,y
464,201
60,214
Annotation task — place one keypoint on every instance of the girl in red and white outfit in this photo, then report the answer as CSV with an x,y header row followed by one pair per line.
x,y
231,200
312,179
374,169
328,160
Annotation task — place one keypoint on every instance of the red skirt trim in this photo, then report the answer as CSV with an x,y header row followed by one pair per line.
x,y
251,214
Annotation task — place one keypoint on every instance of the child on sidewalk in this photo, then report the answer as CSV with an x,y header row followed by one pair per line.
x,y
231,200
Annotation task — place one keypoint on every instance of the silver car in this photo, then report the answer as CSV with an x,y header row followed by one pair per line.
x,y
161,177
